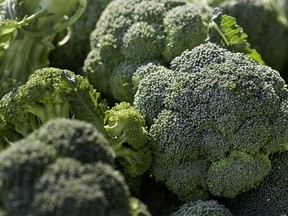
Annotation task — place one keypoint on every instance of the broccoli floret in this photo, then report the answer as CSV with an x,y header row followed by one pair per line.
x,y
138,32
7,134
41,177
68,187
76,139
78,42
47,95
138,208
264,26
28,28
127,134
200,208
270,197
220,116
21,164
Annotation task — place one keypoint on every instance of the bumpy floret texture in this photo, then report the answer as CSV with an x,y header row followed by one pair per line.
x,y
270,197
69,187
219,109
21,164
130,33
45,96
200,208
76,139
261,22
41,177
128,136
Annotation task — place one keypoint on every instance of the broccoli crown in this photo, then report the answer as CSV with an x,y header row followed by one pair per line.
x,y
29,28
78,42
76,139
264,26
49,93
140,31
21,164
41,177
199,208
217,107
270,197
68,187
127,134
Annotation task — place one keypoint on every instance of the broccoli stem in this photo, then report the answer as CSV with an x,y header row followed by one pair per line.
x,y
30,45
23,56
49,110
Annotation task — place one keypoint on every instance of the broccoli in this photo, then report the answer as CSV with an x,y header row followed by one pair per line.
x,y
27,32
200,208
6,85
68,187
127,134
46,96
78,42
76,139
39,176
50,93
134,32
265,27
214,117
270,197
138,208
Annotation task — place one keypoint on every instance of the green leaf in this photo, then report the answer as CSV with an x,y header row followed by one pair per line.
x,y
225,31
84,100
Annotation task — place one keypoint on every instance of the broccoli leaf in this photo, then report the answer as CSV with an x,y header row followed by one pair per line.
x,y
85,103
225,31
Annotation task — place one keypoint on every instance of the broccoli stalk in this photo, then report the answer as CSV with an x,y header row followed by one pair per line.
x,y
25,44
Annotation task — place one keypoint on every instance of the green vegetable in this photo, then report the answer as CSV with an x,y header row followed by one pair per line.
x,y
27,30
270,197
51,92
44,97
134,32
214,117
70,172
264,25
78,39
128,134
200,208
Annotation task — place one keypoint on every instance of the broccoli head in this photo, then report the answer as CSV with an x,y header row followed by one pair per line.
x,y
39,176
270,197
21,164
76,139
130,33
47,95
200,208
68,187
264,26
220,116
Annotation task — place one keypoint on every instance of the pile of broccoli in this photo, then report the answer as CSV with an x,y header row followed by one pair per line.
x,y
143,107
